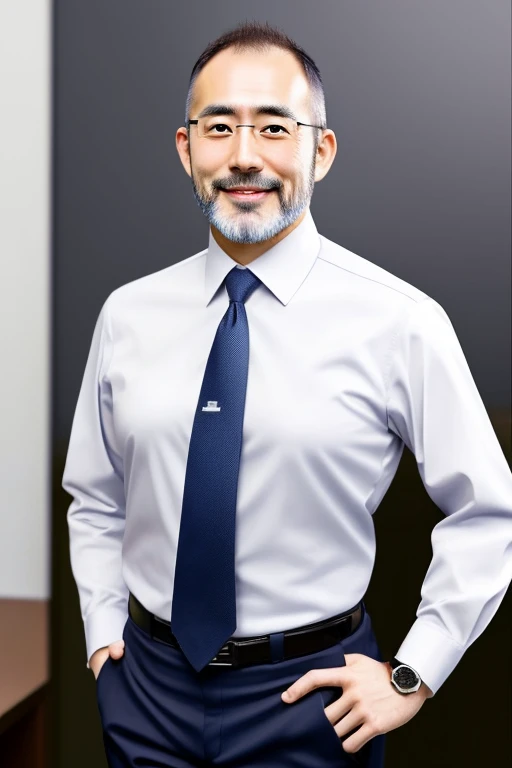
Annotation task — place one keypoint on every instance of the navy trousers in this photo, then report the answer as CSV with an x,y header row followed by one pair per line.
x,y
156,711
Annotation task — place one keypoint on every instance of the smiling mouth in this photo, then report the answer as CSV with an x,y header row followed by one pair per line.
x,y
252,195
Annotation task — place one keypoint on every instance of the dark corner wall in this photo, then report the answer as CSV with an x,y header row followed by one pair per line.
x,y
418,95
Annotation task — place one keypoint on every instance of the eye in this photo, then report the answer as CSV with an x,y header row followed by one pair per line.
x,y
218,125
275,126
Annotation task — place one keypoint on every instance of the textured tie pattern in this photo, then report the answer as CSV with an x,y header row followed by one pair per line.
x,y
204,607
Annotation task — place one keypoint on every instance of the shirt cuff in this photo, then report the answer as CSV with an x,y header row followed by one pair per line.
x,y
104,626
431,652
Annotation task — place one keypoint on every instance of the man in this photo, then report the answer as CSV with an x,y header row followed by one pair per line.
x,y
331,365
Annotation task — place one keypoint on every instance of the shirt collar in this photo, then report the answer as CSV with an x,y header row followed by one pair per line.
x,y
282,268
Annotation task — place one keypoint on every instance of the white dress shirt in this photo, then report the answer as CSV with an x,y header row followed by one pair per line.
x,y
347,363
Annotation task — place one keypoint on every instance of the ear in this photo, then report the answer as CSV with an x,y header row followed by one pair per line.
x,y
182,145
325,154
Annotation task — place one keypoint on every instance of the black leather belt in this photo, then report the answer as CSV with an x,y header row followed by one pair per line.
x,y
243,651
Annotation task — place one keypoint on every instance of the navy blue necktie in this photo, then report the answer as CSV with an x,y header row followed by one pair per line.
x,y
203,614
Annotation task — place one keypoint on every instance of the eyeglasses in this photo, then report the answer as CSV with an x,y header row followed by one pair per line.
x,y
265,129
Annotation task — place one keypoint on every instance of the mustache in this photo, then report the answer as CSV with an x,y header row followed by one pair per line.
x,y
265,187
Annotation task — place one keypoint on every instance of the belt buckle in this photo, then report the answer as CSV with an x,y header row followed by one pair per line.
x,y
225,657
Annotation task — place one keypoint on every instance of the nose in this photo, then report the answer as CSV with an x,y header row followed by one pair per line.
x,y
245,152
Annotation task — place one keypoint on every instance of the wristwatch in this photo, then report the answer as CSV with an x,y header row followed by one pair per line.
x,y
404,678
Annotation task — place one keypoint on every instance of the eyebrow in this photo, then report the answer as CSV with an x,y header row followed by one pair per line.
x,y
278,110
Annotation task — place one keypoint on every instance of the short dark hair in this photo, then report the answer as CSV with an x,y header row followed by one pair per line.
x,y
261,36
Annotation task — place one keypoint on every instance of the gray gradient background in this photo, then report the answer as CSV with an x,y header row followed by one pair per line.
x,y
418,94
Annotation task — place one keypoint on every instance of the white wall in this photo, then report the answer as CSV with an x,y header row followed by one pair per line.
x,y
25,298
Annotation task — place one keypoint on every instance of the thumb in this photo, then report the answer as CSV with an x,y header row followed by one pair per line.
x,y
116,649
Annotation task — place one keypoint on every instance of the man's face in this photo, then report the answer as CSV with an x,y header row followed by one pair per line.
x,y
286,169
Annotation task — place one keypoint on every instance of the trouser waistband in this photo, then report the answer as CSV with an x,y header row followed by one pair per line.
x,y
245,651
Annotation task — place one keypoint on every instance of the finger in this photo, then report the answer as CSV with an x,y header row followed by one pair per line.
x,y
339,708
349,722
116,649
315,678
359,739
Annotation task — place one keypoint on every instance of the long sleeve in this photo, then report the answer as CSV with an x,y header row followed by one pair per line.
x,y
436,409
93,475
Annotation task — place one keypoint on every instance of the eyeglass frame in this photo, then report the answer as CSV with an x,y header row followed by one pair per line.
x,y
248,125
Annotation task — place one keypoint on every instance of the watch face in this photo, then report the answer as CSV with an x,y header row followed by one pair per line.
x,y
405,677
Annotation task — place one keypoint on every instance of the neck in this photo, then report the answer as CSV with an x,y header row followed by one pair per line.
x,y
244,253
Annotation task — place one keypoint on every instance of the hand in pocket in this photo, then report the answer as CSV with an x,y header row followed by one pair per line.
x,y
99,657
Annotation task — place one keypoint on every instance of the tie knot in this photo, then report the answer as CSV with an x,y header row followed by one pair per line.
x,y
240,283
